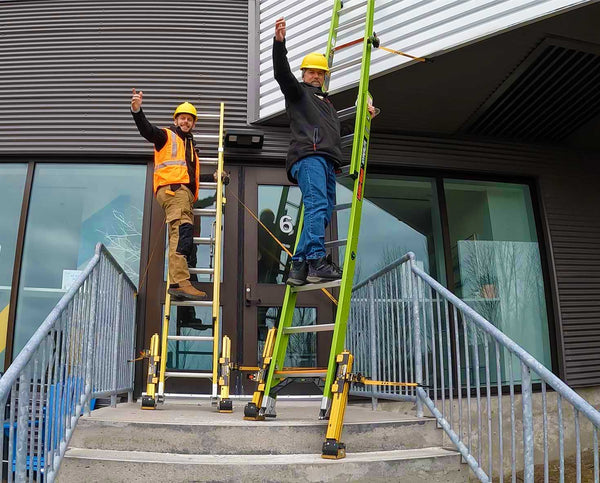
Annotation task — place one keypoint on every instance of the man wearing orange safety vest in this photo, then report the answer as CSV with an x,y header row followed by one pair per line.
x,y
176,182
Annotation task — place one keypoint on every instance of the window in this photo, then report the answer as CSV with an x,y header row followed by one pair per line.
x,y
496,259
72,208
12,184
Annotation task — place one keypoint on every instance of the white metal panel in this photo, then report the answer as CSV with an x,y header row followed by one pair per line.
x,y
419,27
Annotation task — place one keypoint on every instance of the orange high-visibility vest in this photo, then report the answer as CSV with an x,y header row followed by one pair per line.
x,y
170,166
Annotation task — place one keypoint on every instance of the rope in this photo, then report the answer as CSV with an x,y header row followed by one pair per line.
x,y
391,51
283,247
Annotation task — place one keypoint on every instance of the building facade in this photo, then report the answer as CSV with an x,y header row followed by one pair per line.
x,y
482,162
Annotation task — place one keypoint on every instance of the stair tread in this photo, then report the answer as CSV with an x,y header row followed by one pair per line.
x,y
262,459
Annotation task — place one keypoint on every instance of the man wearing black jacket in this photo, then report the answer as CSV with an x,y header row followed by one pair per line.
x,y
314,154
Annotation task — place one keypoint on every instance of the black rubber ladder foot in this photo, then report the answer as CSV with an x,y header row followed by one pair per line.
x,y
333,450
225,406
148,402
251,412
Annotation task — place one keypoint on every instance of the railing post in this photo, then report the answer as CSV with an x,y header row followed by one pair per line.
x,y
91,338
115,354
373,340
414,282
528,455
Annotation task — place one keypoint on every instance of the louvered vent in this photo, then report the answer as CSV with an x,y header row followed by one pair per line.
x,y
553,92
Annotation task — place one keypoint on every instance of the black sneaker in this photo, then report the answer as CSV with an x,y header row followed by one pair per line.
x,y
323,270
298,272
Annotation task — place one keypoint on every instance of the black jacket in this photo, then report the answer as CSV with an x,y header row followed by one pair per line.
x,y
158,137
314,123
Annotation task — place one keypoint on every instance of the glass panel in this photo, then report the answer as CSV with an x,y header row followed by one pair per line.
x,y
278,208
302,348
190,355
12,184
72,208
398,215
496,260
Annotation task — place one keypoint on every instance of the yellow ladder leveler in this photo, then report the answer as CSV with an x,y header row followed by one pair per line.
x,y
157,366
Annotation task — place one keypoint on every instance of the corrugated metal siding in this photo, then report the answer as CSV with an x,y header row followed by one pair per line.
x,y
423,28
67,69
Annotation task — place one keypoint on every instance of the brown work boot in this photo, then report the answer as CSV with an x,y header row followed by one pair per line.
x,y
188,292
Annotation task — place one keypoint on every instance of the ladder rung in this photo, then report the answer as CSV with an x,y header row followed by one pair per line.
x,y
351,8
191,303
347,113
197,338
208,116
316,286
343,171
336,243
207,185
204,211
196,375
202,271
302,372
342,206
345,65
348,25
309,328
347,140
208,161
203,241
206,136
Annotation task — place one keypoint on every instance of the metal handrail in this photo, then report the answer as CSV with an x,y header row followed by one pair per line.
x,y
80,352
434,333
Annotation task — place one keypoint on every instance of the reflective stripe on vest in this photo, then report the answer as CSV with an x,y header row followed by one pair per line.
x,y
174,144
171,163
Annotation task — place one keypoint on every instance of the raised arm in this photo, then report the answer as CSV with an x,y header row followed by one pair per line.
x,y
150,132
283,74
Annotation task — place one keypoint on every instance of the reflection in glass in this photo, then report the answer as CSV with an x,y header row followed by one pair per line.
x,y
12,184
398,215
302,348
496,260
72,208
278,210
185,355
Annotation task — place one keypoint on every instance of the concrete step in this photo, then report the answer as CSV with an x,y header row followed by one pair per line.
x,y
420,465
198,429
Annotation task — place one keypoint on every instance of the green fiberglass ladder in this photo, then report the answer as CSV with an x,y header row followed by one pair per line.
x,y
157,355
272,372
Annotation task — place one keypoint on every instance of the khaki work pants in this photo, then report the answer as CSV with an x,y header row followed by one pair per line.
x,y
178,210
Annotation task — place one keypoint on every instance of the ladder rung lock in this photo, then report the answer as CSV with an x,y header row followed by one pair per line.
x,y
207,185
342,206
336,243
204,211
343,171
309,328
195,338
316,286
202,271
192,303
195,375
347,113
203,241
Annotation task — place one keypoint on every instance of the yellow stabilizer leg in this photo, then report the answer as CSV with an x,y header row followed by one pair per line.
x,y
251,409
225,404
149,400
333,448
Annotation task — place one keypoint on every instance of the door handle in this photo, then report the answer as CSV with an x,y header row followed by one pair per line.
x,y
248,300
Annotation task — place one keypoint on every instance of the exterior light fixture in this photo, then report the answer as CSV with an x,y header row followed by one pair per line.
x,y
244,138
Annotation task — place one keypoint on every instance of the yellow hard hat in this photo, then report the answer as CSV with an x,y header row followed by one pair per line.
x,y
315,60
186,108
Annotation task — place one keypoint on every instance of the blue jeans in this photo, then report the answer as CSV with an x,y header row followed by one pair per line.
x,y
316,179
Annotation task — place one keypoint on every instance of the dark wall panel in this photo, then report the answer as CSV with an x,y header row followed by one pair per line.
x,y
67,69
